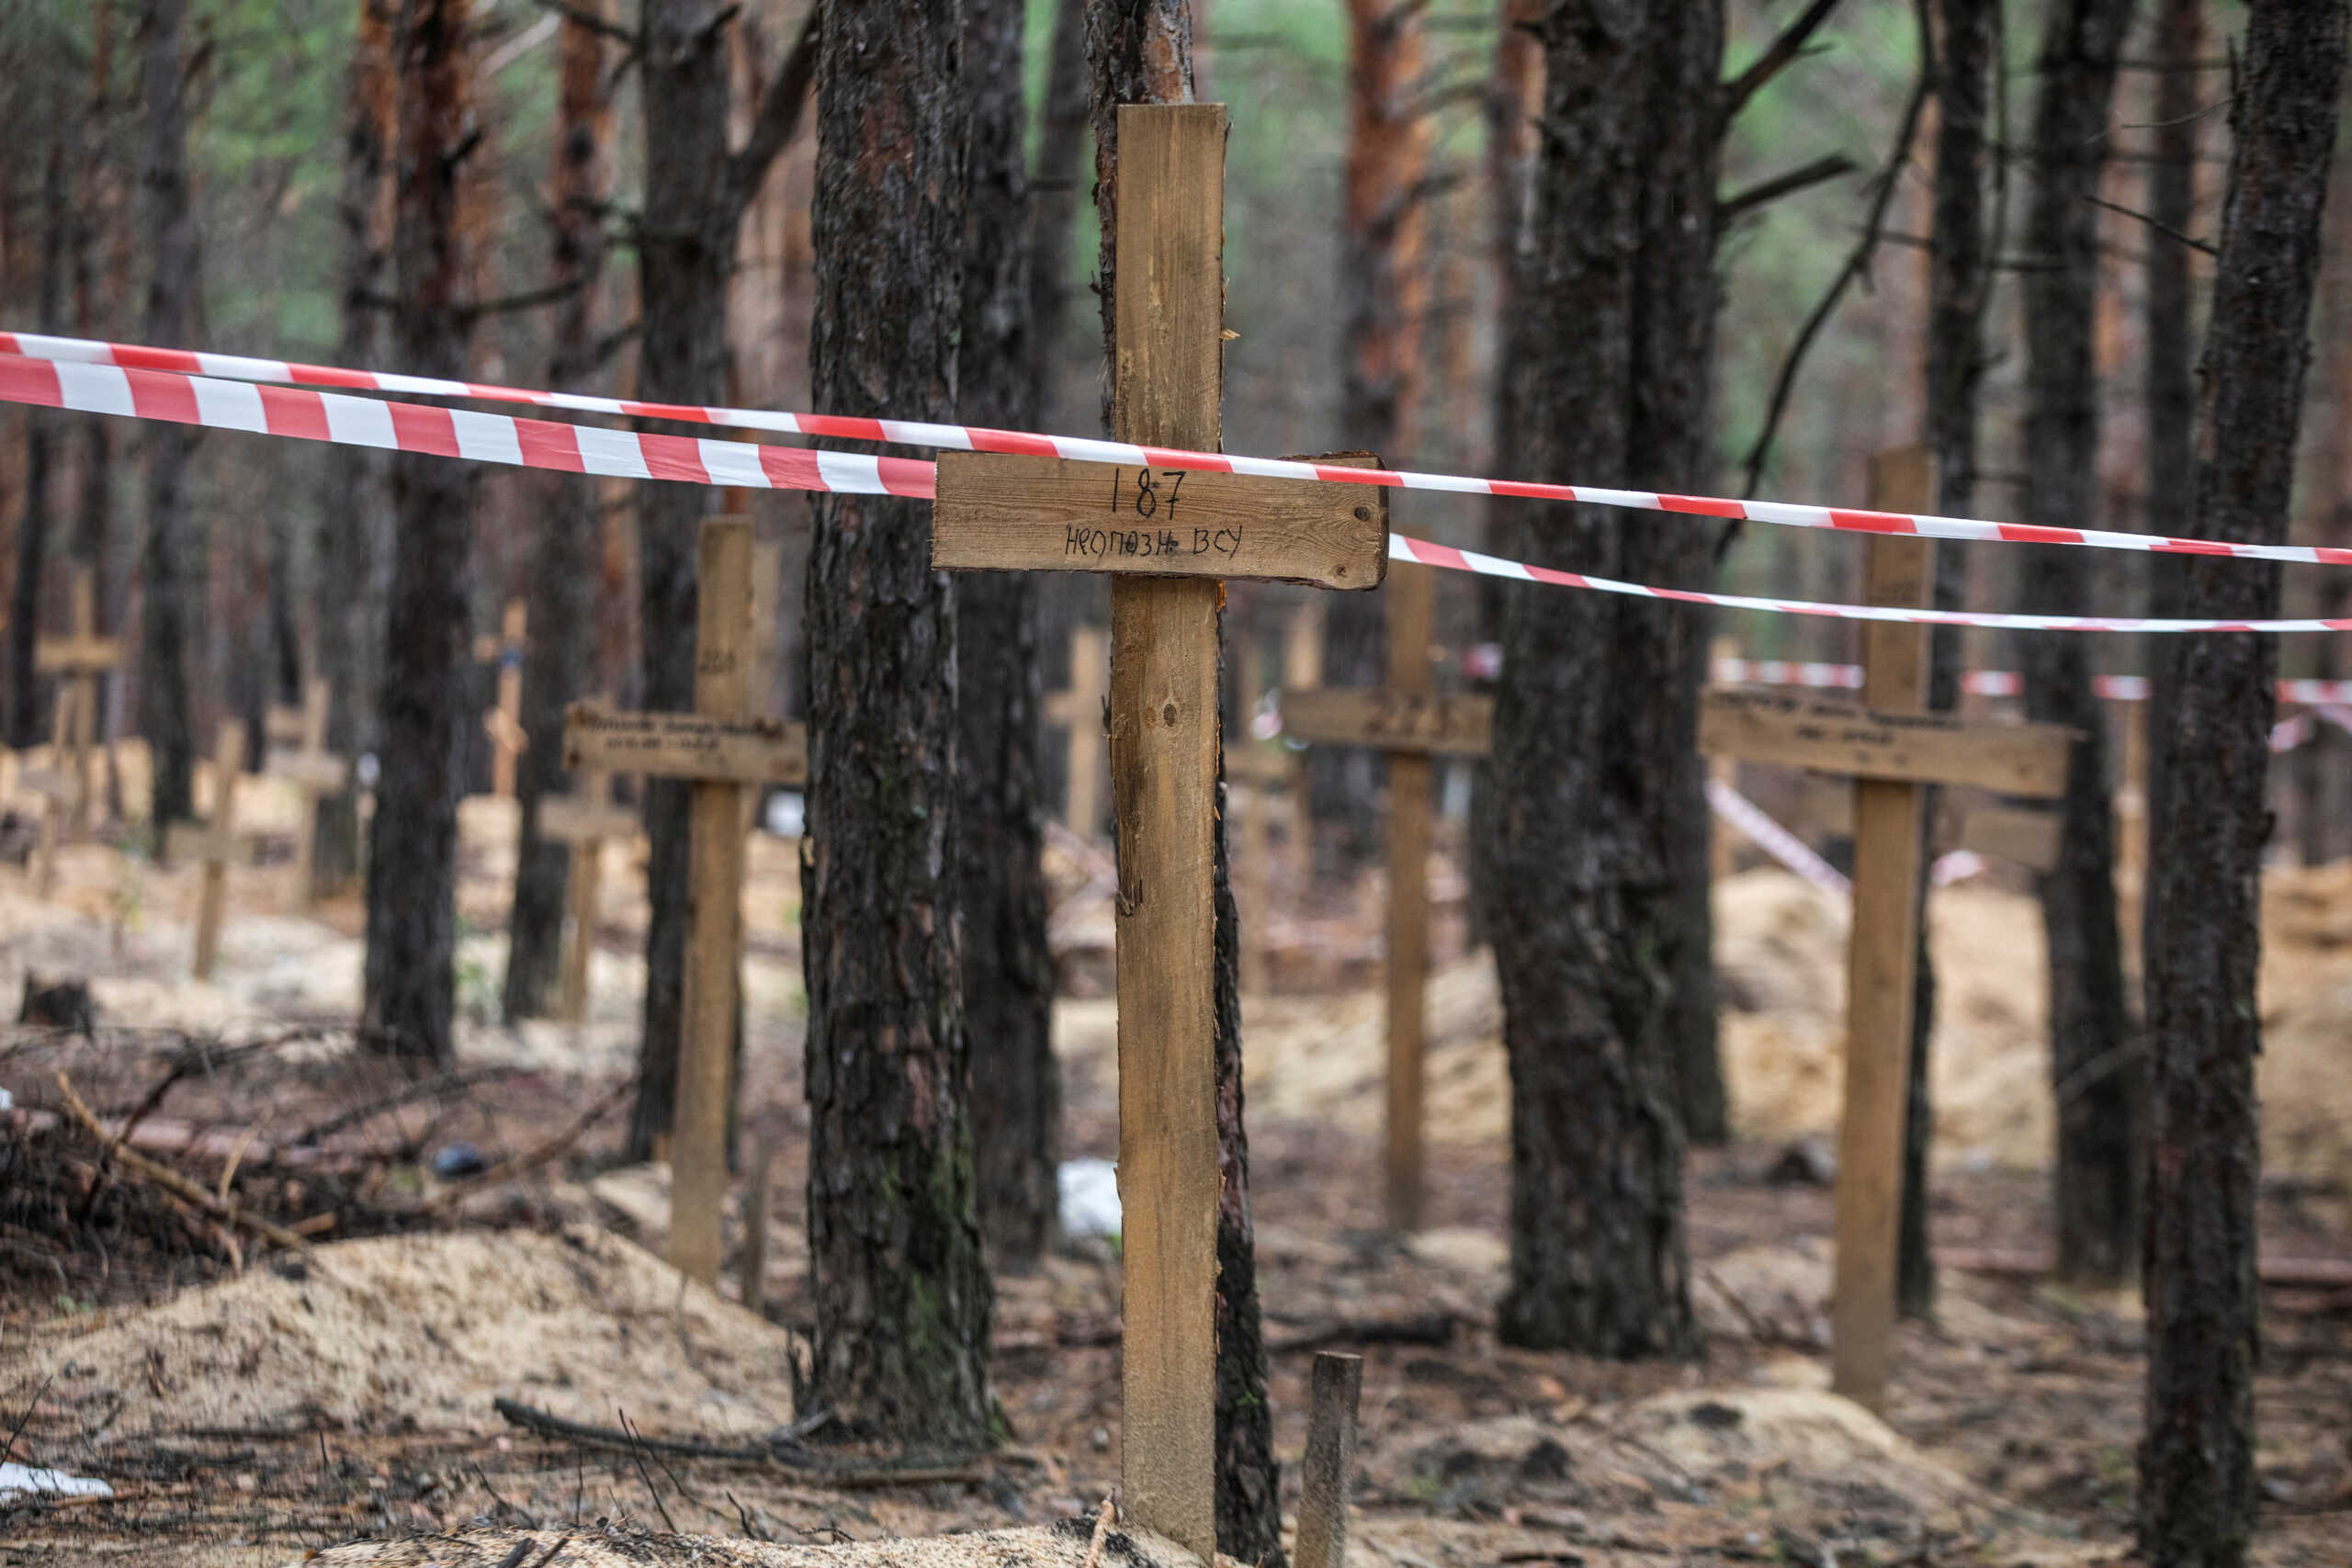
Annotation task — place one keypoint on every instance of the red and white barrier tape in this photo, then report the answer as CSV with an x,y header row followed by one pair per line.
x,y
303,413
1422,551
961,437
449,433
1774,839
1989,683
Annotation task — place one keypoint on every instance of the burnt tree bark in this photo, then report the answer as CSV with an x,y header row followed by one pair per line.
x,y
101,262
2167,313
413,850
1595,770
2203,946
564,580
1139,51
168,219
26,710
695,193
1053,205
354,528
2094,1184
900,1288
1958,284
1384,276
1008,969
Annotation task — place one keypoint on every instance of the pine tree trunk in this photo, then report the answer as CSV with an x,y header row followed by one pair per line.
x,y
901,1290
2197,1483
353,527
26,710
2095,1185
1053,206
169,225
1008,970
1137,54
563,584
412,853
1595,761
1958,274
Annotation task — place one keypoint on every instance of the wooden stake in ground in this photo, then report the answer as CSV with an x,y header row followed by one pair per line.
x,y
1330,1461
503,723
583,820
1411,723
1078,708
1021,513
1891,747
77,658
297,740
217,843
723,748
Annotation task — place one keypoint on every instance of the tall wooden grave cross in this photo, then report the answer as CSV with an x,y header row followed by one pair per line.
x,y
722,750
584,820
1410,722
1078,709
1170,536
217,842
1891,747
296,752
503,721
77,658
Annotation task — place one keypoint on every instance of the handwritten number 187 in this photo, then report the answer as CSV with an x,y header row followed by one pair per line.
x,y
1147,491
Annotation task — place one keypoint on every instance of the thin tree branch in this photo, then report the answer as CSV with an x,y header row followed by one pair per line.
x,y
1857,263
593,22
1796,179
2159,225
1776,57
779,114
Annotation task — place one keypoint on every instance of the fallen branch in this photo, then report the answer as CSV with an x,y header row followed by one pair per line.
x,y
551,1425
172,1181
523,1164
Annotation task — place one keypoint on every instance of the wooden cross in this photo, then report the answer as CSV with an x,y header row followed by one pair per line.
x,y
1890,746
1078,709
1170,540
723,750
584,820
1412,723
296,751
77,658
216,844
503,723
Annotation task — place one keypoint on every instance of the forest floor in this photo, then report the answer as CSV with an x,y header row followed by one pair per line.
x,y
249,1405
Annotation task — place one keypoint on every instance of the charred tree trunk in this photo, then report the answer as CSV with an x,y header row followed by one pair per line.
x,y
412,853
695,192
1053,206
25,709
2197,1483
1384,276
101,253
169,224
2170,405
900,1288
1595,767
1141,53
2095,1186
354,528
1008,970
1957,277
564,584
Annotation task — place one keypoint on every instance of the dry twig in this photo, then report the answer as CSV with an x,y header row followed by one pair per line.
x,y
172,1181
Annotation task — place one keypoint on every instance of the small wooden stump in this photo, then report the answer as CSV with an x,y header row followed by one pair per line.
x,y
1330,1461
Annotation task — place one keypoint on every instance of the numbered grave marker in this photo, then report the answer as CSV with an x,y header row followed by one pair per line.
x,y
298,754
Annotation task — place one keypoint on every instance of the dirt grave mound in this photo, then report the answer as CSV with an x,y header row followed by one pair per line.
x,y
420,1334
1061,1545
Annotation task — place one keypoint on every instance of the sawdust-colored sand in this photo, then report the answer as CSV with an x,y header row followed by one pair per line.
x,y
420,1334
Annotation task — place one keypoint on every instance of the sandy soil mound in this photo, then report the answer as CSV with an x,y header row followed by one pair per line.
x,y
1060,1545
420,1333
1781,949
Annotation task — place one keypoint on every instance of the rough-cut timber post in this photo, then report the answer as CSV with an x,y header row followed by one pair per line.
x,y
1886,937
1165,732
1330,1461
2208,820
714,909
1411,596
